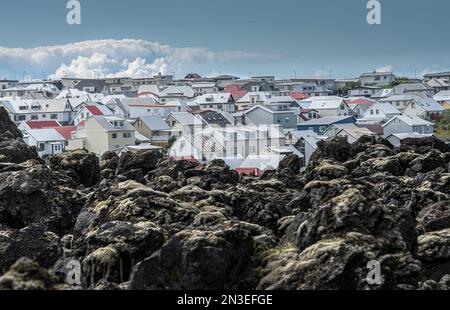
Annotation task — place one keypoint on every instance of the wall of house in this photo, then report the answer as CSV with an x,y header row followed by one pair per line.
x,y
396,127
115,144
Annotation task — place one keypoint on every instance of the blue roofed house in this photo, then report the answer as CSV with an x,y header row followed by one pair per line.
x,y
154,128
424,107
321,125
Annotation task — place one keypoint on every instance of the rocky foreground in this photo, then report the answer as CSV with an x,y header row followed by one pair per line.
x,y
145,222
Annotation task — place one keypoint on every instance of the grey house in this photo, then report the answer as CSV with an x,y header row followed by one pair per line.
x,y
407,124
261,115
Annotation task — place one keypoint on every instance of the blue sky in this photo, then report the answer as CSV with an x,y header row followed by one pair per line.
x,y
237,37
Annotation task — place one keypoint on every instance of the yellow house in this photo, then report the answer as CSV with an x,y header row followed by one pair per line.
x,y
446,105
103,133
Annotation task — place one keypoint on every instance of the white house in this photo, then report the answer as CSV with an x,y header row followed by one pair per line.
x,y
380,112
424,107
93,109
47,141
397,138
262,115
350,131
327,105
407,124
379,79
220,101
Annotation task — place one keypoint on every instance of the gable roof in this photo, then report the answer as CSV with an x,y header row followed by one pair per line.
x,y
325,102
155,122
219,98
326,120
386,108
442,96
184,118
43,135
410,120
105,122
66,131
99,110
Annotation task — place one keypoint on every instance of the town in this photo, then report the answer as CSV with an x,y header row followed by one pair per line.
x,y
251,124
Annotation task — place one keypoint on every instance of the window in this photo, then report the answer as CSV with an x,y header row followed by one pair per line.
x,y
322,129
127,135
371,112
34,117
21,117
44,115
54,116
377,112
41,147
114,136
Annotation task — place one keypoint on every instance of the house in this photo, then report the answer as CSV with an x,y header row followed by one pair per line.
x,y
101,134
155,128
364,91
258,164
442,97
438,84
306,143
38,110
235,90
172,93
327,105
400,102
312,90
359,106
260,86
396,138
229,142
437,75
92,86
424,107
383,93
47,141
184,123
202,88
378,79
93,109
321,125
351,131
5,84
215,118
251,99
414,88
380,112
298,96
224,81
220,101
263,115
407,124
307,115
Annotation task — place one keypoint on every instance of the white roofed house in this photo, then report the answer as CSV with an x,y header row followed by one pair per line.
x,y
424,107
184,123
203,88
39,110
220,101
380,112
251,99
47,141
350,131
375,78
306,142
328,105
172,93
103,133
407,124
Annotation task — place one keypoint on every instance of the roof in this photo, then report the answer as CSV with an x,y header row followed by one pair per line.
x,y
155,122
66,131
98,110
106,123
324,102
437,74
219,98
268,110
411,120
298,95
42,124
226,77
428,104
386,108
415,135
361,101
376,74
262,162
214,118
184,118
99,85
44,135
354,130
326,120
442,96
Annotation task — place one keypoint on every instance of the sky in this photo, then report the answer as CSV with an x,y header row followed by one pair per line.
x,y
285,38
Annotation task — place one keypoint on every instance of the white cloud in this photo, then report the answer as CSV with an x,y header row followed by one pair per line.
x,y
387,68
127,57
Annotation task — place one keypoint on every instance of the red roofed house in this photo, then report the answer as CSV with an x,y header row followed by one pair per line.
x,y
298,95
66,131
359,106
236,91
307,115
94,109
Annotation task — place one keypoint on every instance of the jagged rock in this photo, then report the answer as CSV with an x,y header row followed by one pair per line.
x,y
26,274
109,160
424,145
434,217
33,242
145,161
435,245
336,148
81,165
197,260
38,195
218,175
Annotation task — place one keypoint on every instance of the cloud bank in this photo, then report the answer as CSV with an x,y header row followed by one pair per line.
x,y
113,58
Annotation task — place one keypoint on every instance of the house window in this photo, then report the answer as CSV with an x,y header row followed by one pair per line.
x,y
371,112
21,117
114,136
322,129
44,116
34,117
41,147
377,112
54,116
127,135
